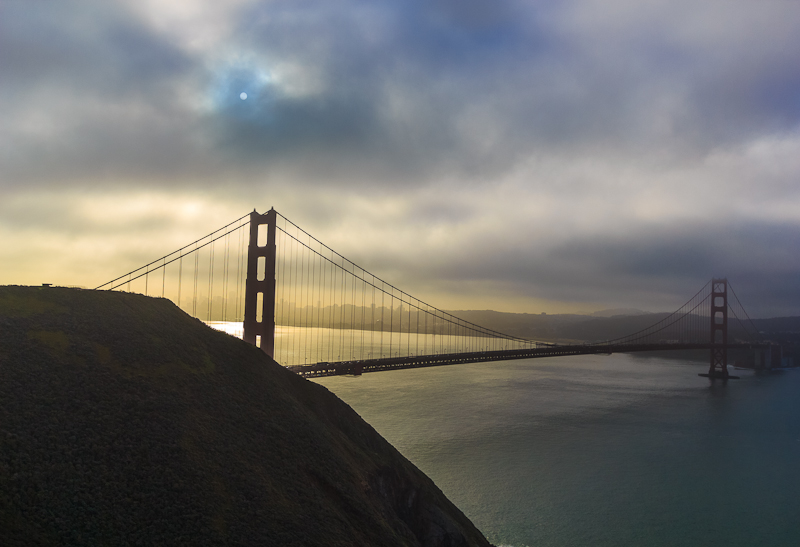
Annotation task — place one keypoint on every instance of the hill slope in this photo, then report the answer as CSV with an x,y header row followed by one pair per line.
x,y
124,421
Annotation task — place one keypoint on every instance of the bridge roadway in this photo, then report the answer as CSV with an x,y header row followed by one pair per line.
x,y
419,361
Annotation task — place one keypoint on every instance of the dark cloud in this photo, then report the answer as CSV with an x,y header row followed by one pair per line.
x,y
408,90
655,267
576,151
89,93
418,89
85,50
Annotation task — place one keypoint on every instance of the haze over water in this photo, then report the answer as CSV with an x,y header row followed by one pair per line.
x,y
598,450
307,345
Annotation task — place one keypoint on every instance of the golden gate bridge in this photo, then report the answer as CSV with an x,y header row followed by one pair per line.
x,y
320,314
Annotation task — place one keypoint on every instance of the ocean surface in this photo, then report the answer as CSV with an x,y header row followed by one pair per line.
x,y
599,450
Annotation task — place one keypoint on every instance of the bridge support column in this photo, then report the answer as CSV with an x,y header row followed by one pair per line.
x,y
259,294
719,329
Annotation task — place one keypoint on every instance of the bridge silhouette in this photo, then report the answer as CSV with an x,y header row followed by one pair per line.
x,y
320,314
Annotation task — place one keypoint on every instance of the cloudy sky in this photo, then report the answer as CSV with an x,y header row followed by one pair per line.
x,y
516,155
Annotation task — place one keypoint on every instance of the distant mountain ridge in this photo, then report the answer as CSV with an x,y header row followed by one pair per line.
x,y
604,325
615,312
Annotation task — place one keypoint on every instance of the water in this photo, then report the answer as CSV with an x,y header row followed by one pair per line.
x,y
598,450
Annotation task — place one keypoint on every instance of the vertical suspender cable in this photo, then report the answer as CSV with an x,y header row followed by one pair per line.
x,y
278,311
408,325
353,314
383,313
243,261
238,274
416,348
312,274
391,320
280,270
296,304
210,280
180,277
323,291
425,339
331,290
307,284
343,313
306,297
302,289
363,304
318,275
400,326
196,270
372,320
225,276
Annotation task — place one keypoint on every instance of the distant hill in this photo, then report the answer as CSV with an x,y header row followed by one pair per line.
x,y
524,325
777,325
616,312
605,325
125,422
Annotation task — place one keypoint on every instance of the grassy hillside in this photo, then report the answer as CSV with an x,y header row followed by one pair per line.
x,y
125,422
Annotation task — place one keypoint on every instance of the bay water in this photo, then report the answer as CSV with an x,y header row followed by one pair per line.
x,y
599,450
587,450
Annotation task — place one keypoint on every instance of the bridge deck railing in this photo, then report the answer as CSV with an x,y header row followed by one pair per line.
x,y
420,361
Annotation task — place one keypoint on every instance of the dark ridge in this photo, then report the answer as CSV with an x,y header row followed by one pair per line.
x,y
123,421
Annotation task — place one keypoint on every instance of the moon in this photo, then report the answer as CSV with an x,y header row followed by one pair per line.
x,y
243,95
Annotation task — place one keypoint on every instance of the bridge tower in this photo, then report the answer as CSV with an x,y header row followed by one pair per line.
x,y
719,329
259,294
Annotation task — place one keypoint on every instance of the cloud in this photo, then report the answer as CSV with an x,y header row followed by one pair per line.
x,y
411,91
585,149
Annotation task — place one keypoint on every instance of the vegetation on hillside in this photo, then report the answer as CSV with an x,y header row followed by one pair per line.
x,y
125,422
